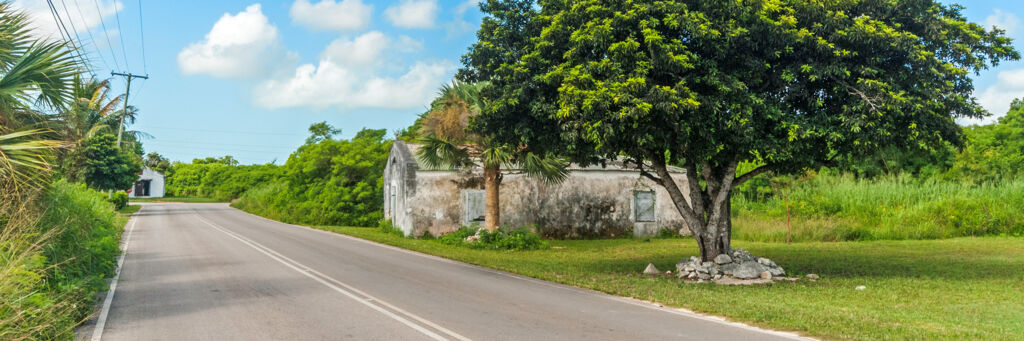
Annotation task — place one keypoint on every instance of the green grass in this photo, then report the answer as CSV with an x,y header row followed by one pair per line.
x,y
960,288
832,207
176,199
129,210
56,252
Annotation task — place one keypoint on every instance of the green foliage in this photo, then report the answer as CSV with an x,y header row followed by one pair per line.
x,y
55,254
831,207
217,180
119,199
789,85
157,162
107,167
994,152
386,226
209,160
332,182
519,239
321,131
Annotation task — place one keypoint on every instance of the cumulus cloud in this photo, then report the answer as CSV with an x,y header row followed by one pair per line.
x,y
458,25
1004,20
413,13
244,45
349,75
996,98
330,15
77,17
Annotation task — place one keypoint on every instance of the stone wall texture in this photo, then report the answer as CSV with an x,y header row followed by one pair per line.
x,y
593,202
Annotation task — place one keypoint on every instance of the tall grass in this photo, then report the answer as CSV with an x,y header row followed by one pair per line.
x,y
831,207
57,247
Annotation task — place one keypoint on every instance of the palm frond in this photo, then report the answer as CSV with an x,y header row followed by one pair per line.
x,y
437,153
496,157
24,157
549,169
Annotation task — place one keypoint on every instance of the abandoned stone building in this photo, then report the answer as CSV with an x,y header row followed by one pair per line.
x,y
593,202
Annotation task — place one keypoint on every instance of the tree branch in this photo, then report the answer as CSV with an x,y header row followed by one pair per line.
x,y
751,174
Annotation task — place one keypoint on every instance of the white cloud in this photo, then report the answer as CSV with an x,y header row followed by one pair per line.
x,y
996,98
350,74
79,18
329,84
413,13
363,50
1004,20
330,15
459,26
244,45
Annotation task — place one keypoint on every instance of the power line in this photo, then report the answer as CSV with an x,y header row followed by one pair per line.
x,y
120,34
142,34
228,131
223,144
109,44
77,37
63,30
91,38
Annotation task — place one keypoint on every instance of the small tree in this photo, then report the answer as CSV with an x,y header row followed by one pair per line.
x,y
788,85
108,167
321,131
157,162
449,144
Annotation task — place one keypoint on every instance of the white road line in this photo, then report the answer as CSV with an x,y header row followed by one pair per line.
x,y
101,322
627,300
326,280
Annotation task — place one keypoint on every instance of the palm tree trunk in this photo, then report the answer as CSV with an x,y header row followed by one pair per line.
x,y
492,214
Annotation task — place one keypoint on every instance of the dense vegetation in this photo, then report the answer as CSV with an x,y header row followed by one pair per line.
x,y
327,181
216,180
57,249
59,234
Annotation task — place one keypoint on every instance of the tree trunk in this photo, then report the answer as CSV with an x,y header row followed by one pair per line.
x,y
492,214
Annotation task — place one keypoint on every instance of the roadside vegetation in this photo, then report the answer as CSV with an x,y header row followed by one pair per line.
x,y
60,163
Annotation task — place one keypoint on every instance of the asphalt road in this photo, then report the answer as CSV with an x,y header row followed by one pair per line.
x,y
210,272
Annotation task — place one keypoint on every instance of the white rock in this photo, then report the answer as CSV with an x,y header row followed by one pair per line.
x,y
812,276
861,287
651,270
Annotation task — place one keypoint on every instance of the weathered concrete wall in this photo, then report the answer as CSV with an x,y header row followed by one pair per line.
x,y
590,204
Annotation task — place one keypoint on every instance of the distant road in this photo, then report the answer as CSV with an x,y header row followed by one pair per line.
x,y
210,272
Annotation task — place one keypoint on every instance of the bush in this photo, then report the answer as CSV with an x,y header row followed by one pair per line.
x,y
386,226
119,199
331,182
55,254
519,239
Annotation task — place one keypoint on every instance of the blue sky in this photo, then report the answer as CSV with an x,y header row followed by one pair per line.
x,y
247,78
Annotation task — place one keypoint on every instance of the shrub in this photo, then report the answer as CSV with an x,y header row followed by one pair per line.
x,y
119,199
518,239
55,253
386,226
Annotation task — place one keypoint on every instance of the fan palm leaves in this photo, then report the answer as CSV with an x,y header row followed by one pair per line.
x,y
34,75
25,157
449,144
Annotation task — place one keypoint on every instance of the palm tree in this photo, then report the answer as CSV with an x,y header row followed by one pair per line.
x,y
34,74
449,143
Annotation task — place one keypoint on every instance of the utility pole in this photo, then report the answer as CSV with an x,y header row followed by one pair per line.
x,y
127,90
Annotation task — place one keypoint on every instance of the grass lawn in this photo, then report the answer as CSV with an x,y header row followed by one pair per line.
x,y
175,199
129,210
963,288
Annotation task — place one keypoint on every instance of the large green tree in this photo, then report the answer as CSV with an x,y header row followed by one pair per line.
x,y
107,167
785,84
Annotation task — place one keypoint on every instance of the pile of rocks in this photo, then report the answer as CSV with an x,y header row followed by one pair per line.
x,y
739,265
